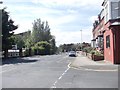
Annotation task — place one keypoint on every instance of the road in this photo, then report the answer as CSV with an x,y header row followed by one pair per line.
x,y
54,72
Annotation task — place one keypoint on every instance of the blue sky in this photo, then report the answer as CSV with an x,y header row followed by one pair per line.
x,y
65,17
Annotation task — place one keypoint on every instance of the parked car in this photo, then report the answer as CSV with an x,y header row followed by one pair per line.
x,y
72,53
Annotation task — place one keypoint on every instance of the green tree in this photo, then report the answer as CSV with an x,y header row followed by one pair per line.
x,y
53,45
7,31
18,39
41,31
28,42
42,48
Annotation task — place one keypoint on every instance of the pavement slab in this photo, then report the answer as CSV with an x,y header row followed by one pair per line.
x,y
82,62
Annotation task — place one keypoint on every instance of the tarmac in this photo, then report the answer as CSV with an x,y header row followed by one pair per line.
x,y
84,63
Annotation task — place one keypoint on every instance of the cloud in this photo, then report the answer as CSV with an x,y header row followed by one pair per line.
x,y
72,36
93,18
68,2
65,17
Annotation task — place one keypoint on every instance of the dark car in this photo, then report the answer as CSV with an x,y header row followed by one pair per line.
x,y
72,53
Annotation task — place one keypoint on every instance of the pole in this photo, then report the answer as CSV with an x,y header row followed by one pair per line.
x,y
1,6
81,39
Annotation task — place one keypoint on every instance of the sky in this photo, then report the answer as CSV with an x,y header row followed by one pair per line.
x,y
65,17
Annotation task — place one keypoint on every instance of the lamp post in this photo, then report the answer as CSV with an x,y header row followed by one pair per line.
x,y
81,39
1,5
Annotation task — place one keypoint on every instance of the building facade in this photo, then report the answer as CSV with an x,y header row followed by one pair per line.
x,y
106,31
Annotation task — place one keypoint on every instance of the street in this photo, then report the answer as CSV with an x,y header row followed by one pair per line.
x,y
54,72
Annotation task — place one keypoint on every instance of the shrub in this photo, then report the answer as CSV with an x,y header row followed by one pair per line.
x,y
29,52
26,53
88,49
95,52
98,53
42,48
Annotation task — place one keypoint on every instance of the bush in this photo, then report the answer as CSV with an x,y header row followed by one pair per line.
x,y
26,53
88,49
42,48
98,53
92,52
95,52
29,52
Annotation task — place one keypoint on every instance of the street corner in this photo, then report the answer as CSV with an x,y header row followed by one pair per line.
x,y
100,68
92,66
75,63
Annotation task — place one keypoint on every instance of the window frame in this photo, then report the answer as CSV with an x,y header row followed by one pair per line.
x,y
108,41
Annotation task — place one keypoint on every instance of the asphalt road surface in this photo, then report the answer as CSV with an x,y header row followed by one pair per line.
x,y
53,72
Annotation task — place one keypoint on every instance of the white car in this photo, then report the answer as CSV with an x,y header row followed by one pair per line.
x,y
72,53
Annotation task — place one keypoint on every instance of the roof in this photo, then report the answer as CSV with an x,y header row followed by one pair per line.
x,y
114,24
93,40
104,2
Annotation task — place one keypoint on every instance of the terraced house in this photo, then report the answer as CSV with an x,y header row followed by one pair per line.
x,y
106,31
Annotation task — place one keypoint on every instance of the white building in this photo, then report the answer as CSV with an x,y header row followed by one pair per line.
x,y
111,9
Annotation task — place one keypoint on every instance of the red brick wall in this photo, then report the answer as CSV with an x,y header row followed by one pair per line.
x,y
108,52
112,54
99,27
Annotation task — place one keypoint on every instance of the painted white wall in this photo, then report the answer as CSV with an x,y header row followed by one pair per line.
x,y
112,12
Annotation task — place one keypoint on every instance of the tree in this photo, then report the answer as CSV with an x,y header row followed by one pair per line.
x,y
68,47
18,39
42,48
53,45
28,42
7,31
41,31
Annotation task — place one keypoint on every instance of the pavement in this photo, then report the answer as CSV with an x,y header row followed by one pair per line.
x,y
84,63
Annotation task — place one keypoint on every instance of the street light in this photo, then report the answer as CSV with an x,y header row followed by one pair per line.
x,y
81,39
1,2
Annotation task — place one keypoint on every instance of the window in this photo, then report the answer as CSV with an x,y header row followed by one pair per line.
x,y
119,9
115,10
107,41
100,41
106,13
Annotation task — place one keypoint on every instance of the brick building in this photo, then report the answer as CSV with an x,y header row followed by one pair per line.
x,y
106,31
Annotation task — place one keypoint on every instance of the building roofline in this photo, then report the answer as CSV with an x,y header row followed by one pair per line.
x,y
93,40
23,32
104,2
98,24
115,24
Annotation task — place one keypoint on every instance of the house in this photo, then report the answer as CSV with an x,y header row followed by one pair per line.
x,y
24,34
106,31
16,51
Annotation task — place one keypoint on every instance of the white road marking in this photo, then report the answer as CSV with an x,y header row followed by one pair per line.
x,y
87,69
13,65
7,70
60,77
54,85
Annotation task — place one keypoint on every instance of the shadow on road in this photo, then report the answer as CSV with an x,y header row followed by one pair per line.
x,y
17,61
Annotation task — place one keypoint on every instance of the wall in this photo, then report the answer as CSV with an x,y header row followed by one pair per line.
x,y
117,44
108,52
112,53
